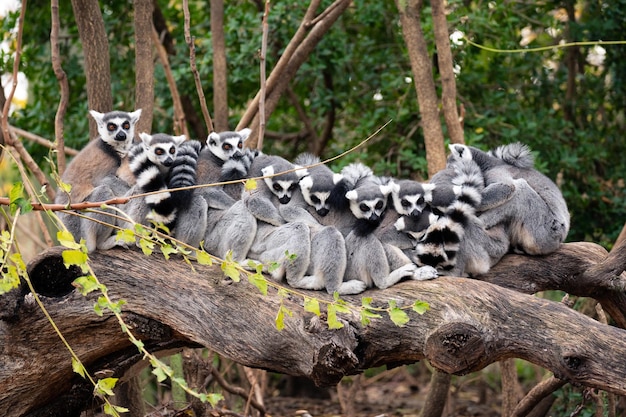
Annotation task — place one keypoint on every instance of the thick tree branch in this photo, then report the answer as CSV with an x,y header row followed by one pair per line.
x,y
63,84
470,324
144,64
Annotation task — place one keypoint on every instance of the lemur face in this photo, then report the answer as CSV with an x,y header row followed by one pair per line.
x,y
282,186
117,128
408,198
226,145
161,149
367,203
318,199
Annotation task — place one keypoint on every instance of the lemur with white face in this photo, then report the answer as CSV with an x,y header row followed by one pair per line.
x,y
102,157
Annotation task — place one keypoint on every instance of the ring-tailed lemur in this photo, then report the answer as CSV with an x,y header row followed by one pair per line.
x,y
525,202
161,163
310,205
274,236
230,226
359,202
102,157
456,242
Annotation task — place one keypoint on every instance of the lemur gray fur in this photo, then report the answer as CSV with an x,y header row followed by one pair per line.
x,y
360,201
102,157
274,236
230,226
159,162
457,242
527,203
310,204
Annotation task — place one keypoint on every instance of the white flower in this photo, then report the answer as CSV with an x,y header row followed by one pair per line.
x,y
596,56
457,37
377,96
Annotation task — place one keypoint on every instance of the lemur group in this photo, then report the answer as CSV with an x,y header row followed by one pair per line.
x,y
341,232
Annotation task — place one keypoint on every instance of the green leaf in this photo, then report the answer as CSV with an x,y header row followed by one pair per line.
x,y
367,315
259,281
75,257
86,284
139,344
10,279
273,266
280,317
66,239
312,305
125,236
366,302
105,386
16,200
147,246
114,410
213,399
204,258
160,374
397,315
78,367
167,250
421,307
231,271
250,184
331,319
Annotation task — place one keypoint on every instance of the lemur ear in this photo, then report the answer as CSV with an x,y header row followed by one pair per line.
x,y
351,195
306,183
97,116
244,133
213,138
146,138
337,178
301,172
394,187
386,189
459,152
134,116
268,170
179,139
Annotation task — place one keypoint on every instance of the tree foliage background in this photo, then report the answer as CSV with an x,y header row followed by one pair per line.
x,y
567,107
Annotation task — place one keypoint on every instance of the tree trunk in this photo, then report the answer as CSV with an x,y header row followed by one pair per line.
x,y
424,83
144,65
220,74
470,324
93,36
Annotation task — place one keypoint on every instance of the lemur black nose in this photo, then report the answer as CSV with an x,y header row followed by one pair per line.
x,y
374,217
168,162
415,213
120,136
284,199
323,211
237,155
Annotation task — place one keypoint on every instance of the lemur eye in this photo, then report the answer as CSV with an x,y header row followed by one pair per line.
x,y
159,151
405,203
420,200
126,125
315,200
172,150
111,127
364,208
292,187
277,187
227,147
379,205
240,145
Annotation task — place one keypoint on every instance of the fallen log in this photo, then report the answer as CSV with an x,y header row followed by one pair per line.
x,y
470,324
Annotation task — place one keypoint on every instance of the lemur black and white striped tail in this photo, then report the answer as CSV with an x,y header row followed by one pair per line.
x,y
237,166
516,154
183,174
440,243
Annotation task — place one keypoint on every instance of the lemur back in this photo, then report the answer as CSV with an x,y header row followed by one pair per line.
x,y
101,157
513,185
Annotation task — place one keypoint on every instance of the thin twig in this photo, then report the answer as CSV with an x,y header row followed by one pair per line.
x,y
194,69
63,84
263,76
235,390
41,140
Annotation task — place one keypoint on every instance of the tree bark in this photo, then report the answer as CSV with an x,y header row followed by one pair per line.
x,y
220,73
470,324
144,64
424,83
446,65
96,51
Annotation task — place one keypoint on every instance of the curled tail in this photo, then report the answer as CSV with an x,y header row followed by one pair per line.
x,y
516,154
440,243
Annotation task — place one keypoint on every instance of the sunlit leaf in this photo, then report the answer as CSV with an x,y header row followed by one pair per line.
x,y
16,199
250,184
421,307
74,257
331,319
280,317
397,315
86,284
125,235
78,367
105,386
204,258
367,315
259,281
66,239
312,305
167,250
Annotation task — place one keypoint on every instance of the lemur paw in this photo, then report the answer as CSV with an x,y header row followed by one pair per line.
x,y
424,273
